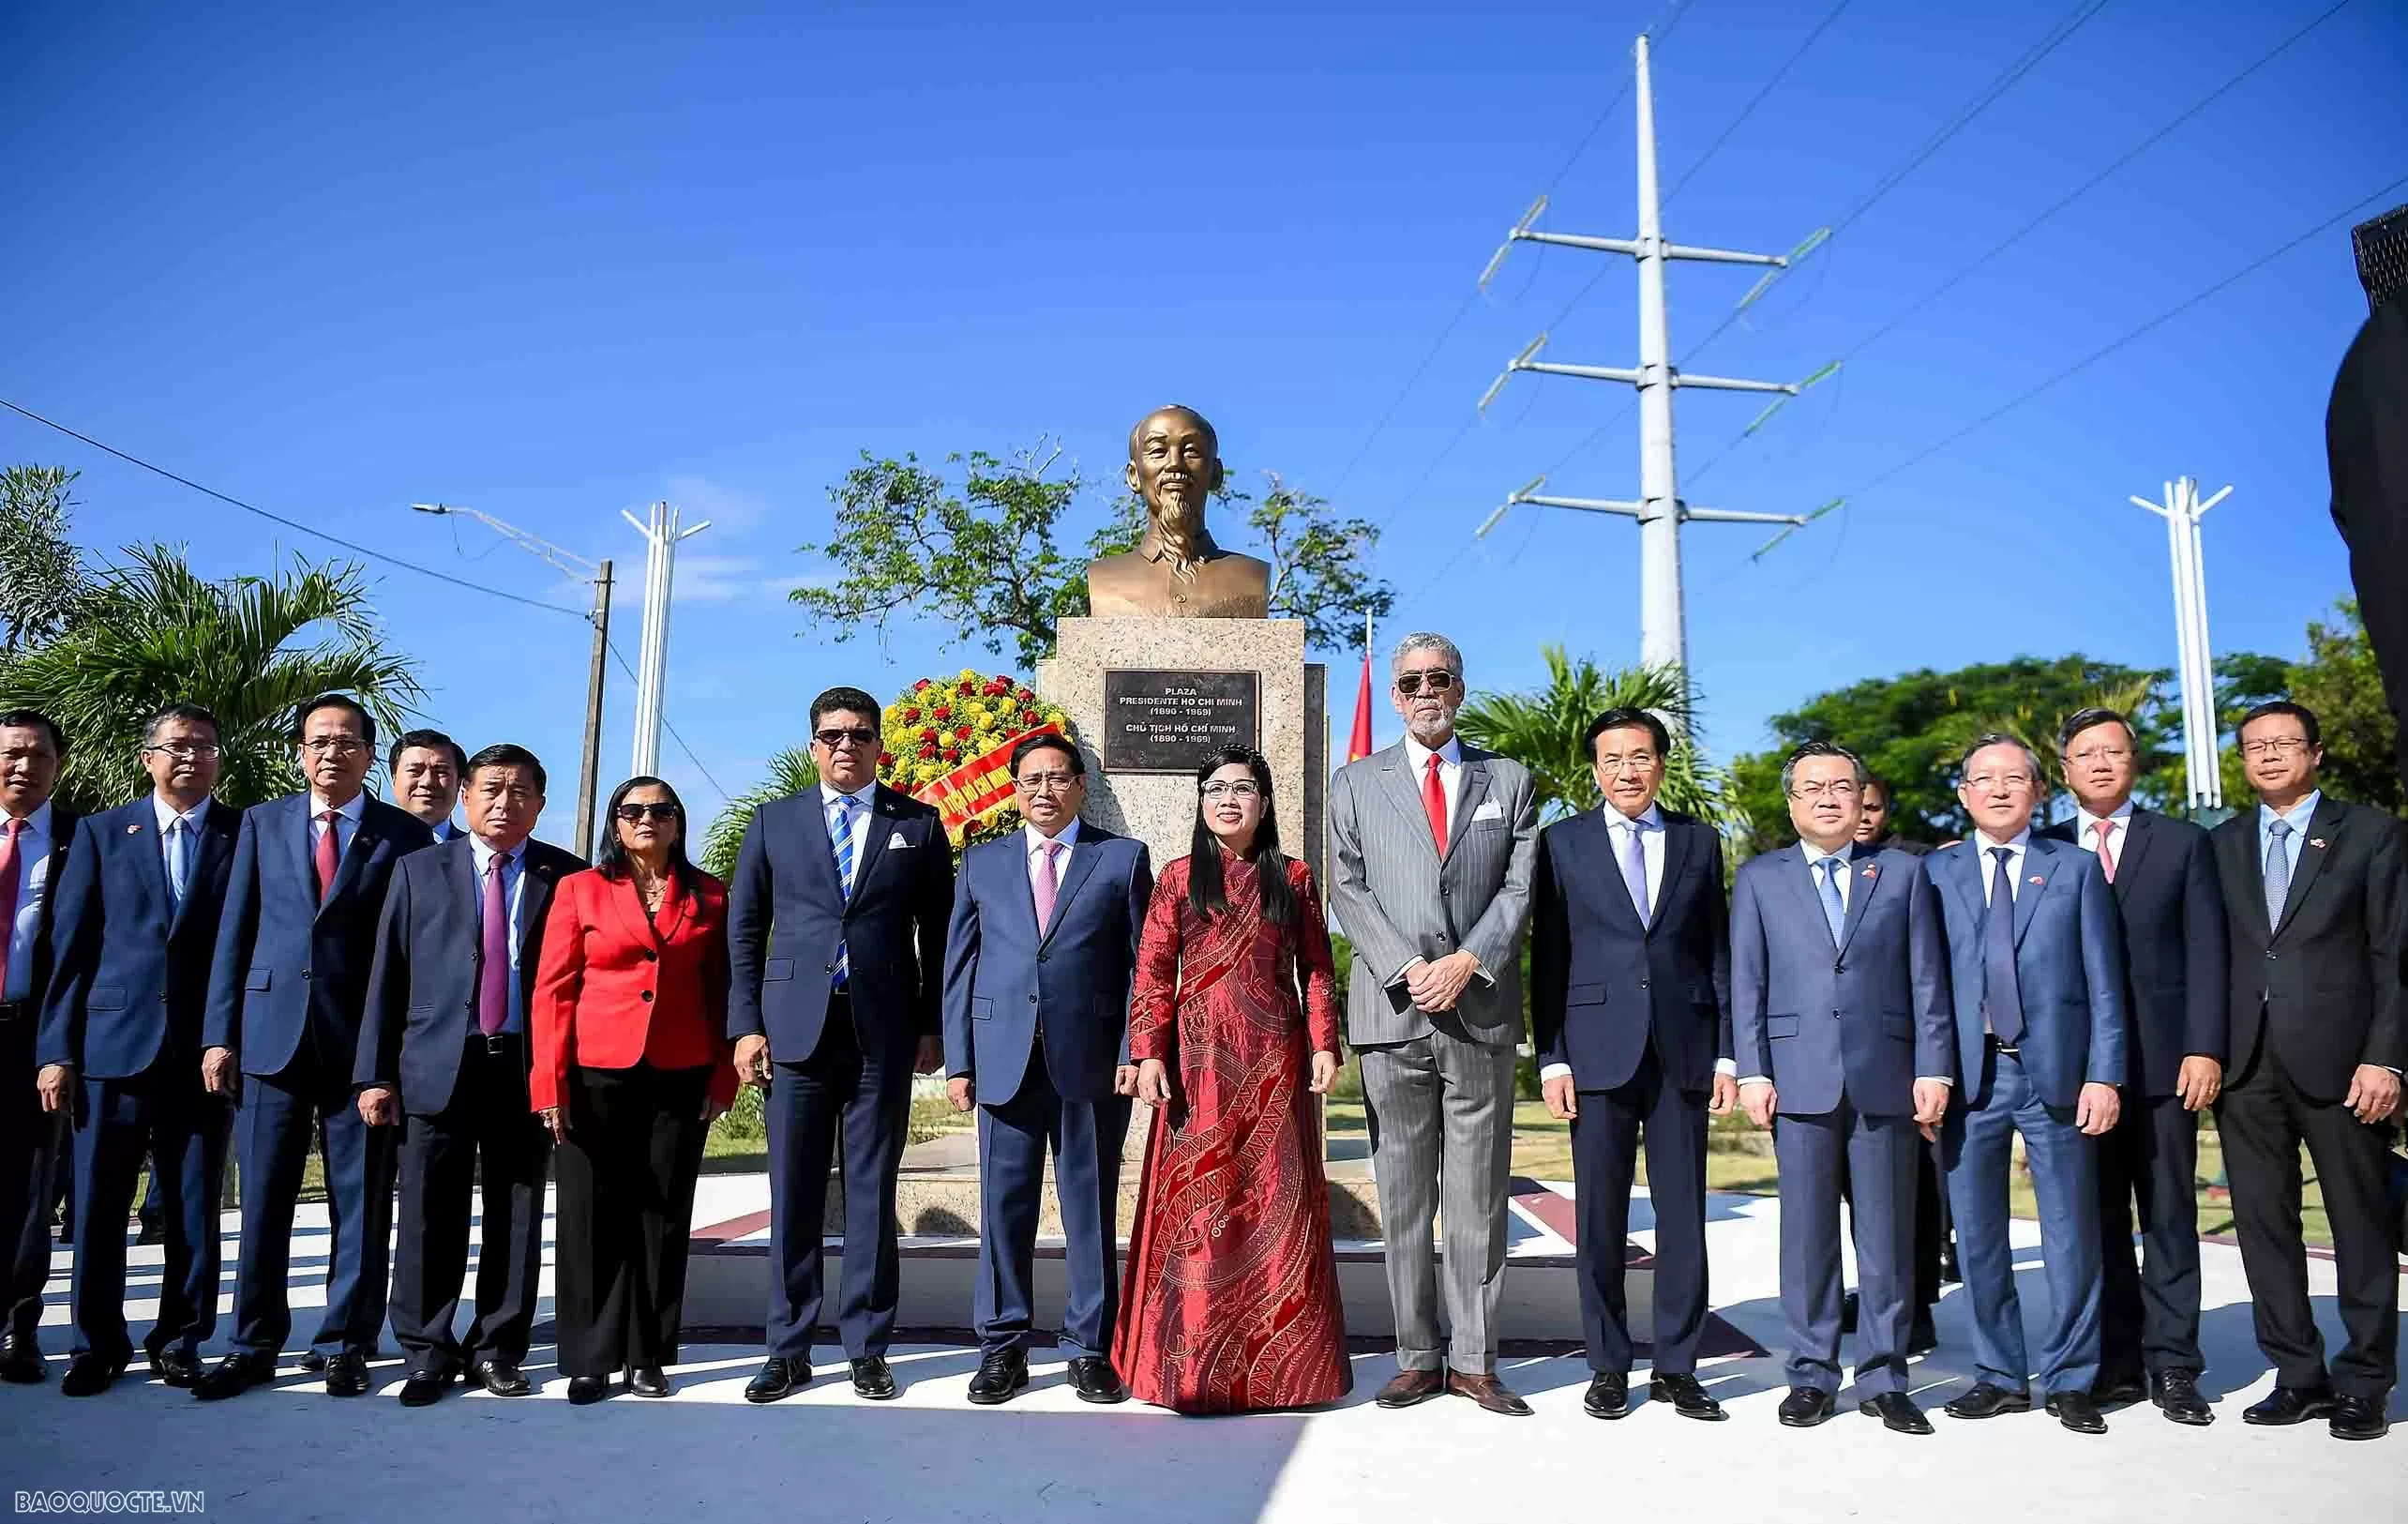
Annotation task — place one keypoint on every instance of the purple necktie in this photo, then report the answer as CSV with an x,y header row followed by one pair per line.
x,y
1634,869
494,978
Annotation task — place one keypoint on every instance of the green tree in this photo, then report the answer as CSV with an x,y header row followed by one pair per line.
x,y
42,578
791,771
2339,681
985,556
1543,730
249,648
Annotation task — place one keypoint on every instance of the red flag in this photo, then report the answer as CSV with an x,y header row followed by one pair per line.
x,y
1359,747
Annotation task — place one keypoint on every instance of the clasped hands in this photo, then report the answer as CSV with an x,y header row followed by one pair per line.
x,y
1436,985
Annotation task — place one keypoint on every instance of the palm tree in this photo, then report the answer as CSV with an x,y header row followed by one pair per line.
x,y
791,771
156,633
1543,730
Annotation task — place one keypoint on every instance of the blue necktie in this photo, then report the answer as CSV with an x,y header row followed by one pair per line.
x,y
2002,997
1634,869
841,833
179,860
1835,909
2278,871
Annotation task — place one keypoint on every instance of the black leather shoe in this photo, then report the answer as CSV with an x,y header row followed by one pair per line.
x,y
89,1374
20,1361
175,1364
872,1379
2076,1412
1609,1395
1687,1397
313,1361
999,1375
647,1382
779,1377
1848,1311
347,1375
2288,1405
2176,1396
1806,1405
2116,1390
233,1376
2359,1418
1921,1338
585,1391
1094,1379
1897,1412
503,1378
1988,1401
426,1390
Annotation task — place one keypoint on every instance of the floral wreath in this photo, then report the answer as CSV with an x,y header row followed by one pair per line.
x,y
941,723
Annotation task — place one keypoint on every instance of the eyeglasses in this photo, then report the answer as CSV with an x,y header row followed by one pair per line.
x,y
1840,789
1044,782
1638,761
186,750
1242,789
2098,754
1437,680
632,813
1999,780
334,746
838,740
2280,745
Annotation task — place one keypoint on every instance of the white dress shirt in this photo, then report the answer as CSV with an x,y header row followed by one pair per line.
x,y
187,825
1416,757
2298,815
34,844
1650,826
1984,846
1033,842
865,804
346,823
514,893
2120,827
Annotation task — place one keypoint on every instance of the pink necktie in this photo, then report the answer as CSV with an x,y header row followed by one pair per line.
x,y
328,856
493,972
7,896
1048,885
2106,857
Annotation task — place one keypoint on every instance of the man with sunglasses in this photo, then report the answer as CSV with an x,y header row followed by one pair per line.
x,y
1433,845
836,935
288,985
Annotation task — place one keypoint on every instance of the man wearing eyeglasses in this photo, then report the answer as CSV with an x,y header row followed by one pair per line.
x,y
288,985
2172,911
38,840
1433,842
836,936
2317,896
1038,965
136,921
2037,969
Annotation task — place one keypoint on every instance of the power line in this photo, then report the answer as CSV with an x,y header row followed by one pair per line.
x,y
1756,99
725,797
293,524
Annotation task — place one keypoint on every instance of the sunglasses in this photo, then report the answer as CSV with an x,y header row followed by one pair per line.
x,y
837,740
632,813
1439,680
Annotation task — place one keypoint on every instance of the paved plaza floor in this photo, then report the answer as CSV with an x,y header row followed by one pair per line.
x,y
291,1453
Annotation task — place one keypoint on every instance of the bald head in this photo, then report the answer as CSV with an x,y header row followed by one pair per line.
x,y
1175,465
1165,419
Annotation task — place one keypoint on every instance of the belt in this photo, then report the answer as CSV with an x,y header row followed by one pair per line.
x,y
16,1010
493,1045
1991,1038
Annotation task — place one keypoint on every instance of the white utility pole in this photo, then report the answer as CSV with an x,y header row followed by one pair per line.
x,y
2194,672
1663,634
661,536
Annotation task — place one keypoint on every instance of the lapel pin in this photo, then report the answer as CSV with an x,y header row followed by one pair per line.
x,y
1869,872
2036,880
2317,842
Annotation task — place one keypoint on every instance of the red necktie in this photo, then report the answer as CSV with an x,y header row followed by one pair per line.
x,y
2106,856
1434,799
7,896
328,856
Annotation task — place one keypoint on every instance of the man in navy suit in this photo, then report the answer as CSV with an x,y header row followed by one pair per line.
x,y
288,984
1038,965
428,769
2171,909
37,840
836,942
1842,1025
1631,1012
443,1054
134,925
2037,962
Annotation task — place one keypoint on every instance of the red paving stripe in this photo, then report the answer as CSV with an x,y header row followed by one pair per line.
x,y
729,1230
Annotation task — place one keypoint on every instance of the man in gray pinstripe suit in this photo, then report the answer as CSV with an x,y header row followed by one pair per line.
x,y
1434,842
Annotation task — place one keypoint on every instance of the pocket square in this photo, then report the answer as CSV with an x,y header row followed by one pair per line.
x,y
1489,810
896,842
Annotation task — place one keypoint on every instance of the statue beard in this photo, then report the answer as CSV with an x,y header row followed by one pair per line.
x,y
1180,530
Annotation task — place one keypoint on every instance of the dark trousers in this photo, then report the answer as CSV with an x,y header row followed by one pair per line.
x,y
2264,1119
166,1114
280,1115
1931,1219
2149,1168
1880,1156
1604,1160
863,1100
486,1133
626,1210
1085,1138
29,1152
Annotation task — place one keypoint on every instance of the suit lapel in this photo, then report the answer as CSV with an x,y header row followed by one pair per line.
x,y
535,884
1795,872
2138,831
1607,871
2321,833
817,846
2235,848
882,817
1867,872
2041,870
1959,873
211,845
1403,791
364,837
1083,853
627,904
460,871
1473,790
1675,859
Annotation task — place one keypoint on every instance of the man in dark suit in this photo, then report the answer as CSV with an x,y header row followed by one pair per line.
x,y
444,1053
288,984
1631,1014
2172,912
2037,970
134,925
2316,898
36,841
428,769
1842,1025
1038,964
836,942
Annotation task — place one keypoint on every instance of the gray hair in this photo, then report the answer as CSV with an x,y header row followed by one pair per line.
x,y
2000,738
1423,640
1820,748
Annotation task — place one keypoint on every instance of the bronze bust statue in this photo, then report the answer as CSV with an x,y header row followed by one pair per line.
x,y
1176,571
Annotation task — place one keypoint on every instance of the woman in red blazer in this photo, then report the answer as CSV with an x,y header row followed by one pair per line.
x,y
631,1063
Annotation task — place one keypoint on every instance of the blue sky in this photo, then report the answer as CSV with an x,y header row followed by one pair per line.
x,y
555,264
